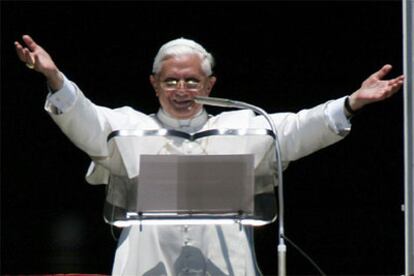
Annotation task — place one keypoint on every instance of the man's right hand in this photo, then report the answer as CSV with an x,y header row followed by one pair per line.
x,y
37,58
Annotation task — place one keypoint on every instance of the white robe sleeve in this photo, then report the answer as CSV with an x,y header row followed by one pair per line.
x,y
88,125
336,117
309,130
63,99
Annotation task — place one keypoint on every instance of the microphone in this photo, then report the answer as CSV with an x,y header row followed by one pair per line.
x,y
227,103
220,102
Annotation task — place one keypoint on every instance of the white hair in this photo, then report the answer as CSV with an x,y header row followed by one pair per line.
x,y
180,47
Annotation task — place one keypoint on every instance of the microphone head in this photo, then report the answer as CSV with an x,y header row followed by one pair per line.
x,y
201,99
213,101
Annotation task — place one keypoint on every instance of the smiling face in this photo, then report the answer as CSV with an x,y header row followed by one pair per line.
x,y
179,80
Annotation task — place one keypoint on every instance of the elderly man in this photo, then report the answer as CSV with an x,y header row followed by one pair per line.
x,y
183,69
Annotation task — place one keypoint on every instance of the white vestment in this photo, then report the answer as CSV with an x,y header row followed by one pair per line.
x,y
185,249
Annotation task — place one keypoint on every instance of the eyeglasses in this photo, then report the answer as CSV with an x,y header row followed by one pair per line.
x,y
188,84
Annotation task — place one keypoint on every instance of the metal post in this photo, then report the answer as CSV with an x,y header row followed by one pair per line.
x,y
408,11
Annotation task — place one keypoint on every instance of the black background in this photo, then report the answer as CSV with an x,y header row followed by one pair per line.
x,y
343,203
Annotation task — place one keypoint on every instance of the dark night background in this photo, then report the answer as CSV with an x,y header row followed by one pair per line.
x,y
343,203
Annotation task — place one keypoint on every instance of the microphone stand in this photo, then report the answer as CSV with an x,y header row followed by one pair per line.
x,y
220,102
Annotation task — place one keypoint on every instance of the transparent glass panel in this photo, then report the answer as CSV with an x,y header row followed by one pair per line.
x,y
171,177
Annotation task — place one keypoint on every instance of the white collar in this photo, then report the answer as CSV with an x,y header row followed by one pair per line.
x,y
188,125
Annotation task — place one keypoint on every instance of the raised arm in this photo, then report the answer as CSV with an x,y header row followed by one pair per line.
x,y
35,57
375,88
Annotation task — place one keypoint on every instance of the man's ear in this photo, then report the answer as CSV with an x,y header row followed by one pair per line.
x,y
154,84
210,84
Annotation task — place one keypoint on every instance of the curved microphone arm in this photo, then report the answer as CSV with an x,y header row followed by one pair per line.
x,y
220,102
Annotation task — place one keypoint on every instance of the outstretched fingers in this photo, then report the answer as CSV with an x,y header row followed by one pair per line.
x,y
29,58
29,42
399,79
24,53
396,83
19,51
380,74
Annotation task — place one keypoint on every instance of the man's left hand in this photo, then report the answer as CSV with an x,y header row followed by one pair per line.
x,y
375,88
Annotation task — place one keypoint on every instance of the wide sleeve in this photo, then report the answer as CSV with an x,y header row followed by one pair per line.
x,y
305,132
88,125
85,124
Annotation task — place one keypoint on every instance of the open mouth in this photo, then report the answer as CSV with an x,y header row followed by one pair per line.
x,y
182,104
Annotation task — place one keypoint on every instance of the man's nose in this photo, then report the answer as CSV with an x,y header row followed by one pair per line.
x,y
181,85
181,89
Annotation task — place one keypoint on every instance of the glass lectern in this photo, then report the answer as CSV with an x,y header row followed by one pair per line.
x,y
215,176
